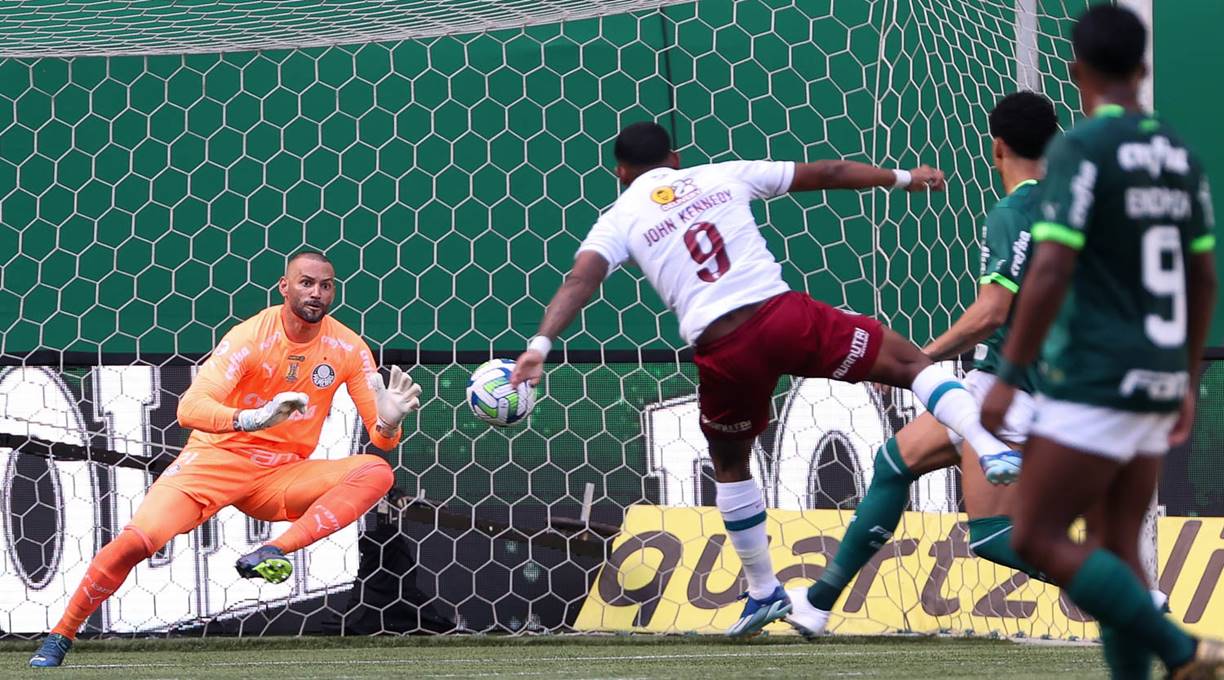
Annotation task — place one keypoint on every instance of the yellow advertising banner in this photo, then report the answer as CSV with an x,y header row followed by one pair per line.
x,y
673,570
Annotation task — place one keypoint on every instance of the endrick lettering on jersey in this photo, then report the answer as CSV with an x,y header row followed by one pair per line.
x,y
656,233
1157,203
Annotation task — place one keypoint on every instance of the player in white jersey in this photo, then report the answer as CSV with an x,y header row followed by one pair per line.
x,y
694,237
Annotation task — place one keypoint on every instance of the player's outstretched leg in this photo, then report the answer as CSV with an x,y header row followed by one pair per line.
x,y
321,496
874,522
901,364
920,447
742,507
164,513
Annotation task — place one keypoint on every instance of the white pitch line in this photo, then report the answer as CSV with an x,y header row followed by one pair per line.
x,y
400,662
489,674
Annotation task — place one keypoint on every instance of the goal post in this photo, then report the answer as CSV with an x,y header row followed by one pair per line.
x,y
159,161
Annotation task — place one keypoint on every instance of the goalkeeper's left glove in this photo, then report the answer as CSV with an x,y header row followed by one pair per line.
x,y
394,400
271,414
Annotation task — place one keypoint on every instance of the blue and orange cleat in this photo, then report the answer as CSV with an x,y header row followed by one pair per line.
x,y
52,651
268,563
760,613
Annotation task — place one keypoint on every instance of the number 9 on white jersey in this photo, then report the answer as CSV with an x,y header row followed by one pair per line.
x,y
692,233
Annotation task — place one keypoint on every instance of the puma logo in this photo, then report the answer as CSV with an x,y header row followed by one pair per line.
x,y
326,520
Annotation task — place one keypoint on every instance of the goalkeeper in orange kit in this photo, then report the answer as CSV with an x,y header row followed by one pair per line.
x,y
256,408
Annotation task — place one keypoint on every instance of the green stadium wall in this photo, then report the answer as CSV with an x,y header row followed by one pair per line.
x,y
1187,98
153,199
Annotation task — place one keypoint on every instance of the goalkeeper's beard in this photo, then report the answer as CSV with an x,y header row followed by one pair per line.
x,y
309,314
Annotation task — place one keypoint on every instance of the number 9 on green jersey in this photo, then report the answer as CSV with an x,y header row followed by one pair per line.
x,y
1123,190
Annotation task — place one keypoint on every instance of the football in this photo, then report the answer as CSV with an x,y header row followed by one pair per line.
x,y
491,397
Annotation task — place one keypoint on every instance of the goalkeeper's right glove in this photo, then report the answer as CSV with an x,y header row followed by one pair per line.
x,y
394,399
272,413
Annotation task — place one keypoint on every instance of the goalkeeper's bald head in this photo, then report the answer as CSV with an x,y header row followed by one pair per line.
x,y
309,285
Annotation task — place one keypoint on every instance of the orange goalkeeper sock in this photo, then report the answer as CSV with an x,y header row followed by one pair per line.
x,y
106,573
338,507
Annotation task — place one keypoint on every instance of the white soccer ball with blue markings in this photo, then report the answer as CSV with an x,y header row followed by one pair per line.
x,y
491,397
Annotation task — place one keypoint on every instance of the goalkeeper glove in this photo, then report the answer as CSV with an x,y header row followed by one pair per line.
x,y
272,413
394,400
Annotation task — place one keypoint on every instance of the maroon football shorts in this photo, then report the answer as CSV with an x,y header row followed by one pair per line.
x,y
791,334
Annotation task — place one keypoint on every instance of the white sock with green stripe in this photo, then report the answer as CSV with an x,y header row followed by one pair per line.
x,y
952,405
743,513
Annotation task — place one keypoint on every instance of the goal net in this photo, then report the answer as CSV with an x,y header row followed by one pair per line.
x,y
159,161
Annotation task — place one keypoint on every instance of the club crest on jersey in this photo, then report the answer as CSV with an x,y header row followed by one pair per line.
x,y
323,375
663,195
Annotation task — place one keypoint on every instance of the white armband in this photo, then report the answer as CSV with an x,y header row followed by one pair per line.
x,y
902,179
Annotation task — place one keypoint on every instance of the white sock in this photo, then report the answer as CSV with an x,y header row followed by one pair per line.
x,y
951,404
743,507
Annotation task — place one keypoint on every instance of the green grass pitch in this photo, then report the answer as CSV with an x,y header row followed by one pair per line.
x,y
673,658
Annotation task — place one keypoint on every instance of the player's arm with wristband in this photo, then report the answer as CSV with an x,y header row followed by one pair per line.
x,y
589,270
836,174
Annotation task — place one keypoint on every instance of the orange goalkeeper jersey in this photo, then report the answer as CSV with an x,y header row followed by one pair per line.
x,y
254,362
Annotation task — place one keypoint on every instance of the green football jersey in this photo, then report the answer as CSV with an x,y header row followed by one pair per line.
x,y
1006,243
1122,189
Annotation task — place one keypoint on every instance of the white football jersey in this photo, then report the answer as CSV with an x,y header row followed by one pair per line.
x,y
694,237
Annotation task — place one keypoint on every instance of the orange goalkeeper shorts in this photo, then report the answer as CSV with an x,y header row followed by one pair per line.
x,y
215,478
